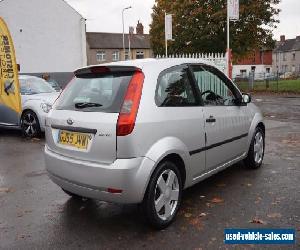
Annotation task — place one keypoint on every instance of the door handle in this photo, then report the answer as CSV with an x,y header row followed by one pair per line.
x,y
211,119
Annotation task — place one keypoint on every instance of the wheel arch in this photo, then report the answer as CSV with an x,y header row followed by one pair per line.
x,y
262,126
174,150
25,110
178,161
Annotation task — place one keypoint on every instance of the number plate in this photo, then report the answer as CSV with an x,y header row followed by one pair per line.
x,y
74,139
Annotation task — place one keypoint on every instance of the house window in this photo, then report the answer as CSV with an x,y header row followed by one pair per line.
x,y
243,72
139,54
100,56
284,56
294,56
116,56
127,55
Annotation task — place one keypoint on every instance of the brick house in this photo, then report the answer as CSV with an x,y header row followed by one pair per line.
x,y
258,61
286,56
108,47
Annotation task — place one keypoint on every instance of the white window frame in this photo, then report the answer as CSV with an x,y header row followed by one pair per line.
x,y
127,55
101,56
116,56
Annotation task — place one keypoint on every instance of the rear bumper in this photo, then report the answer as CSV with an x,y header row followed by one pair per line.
x,y
92,180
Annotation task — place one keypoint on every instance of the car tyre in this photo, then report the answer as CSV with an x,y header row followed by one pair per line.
x,y
30,124
163,195
256,151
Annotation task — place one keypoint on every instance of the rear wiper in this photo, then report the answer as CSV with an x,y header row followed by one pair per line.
x,y
82,105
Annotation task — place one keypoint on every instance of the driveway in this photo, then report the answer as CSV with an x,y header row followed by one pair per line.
x,y
36,214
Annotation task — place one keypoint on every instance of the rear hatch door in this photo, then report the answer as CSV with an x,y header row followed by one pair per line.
x,y
82,123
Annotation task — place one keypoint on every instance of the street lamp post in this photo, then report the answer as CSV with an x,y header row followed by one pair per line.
x,y
129,7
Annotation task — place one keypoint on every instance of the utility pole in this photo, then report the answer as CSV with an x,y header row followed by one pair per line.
x,y
129,7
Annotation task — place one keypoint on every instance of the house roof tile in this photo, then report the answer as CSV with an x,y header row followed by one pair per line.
x,y
115,41
288,45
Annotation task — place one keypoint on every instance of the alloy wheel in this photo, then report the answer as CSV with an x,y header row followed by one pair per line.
x,y
29,124
166,194
258,147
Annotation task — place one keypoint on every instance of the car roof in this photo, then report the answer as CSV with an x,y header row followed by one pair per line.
x,y
162,63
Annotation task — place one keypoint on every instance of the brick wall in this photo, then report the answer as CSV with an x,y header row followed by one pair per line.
x,y
257,58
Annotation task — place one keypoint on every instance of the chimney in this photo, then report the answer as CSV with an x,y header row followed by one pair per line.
x,y
282,38
139,28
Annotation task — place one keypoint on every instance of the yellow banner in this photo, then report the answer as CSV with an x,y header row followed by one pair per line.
x,y
9,81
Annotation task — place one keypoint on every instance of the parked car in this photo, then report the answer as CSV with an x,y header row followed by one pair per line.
x,y
54,84
37,99
142,131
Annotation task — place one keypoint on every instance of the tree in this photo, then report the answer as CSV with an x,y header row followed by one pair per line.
x,y
200,26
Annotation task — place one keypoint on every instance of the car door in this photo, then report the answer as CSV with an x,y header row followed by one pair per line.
x,y
10,103
226,122
8,117
181,114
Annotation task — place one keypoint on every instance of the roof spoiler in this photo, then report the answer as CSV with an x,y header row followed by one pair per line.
x,y
105,70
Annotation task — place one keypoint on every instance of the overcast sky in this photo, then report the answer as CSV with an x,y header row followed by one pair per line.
x,y
106,15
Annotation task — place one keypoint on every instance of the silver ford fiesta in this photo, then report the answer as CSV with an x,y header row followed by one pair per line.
x,y
142,131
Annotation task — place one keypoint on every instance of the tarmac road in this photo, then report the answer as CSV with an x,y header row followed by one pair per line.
x,y
36,214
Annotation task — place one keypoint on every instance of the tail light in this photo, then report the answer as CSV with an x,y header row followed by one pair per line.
x,y
129,109
114,191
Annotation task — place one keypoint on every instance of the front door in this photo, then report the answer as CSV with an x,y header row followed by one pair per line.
x,y
226,123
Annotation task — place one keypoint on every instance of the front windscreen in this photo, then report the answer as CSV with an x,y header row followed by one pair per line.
x,y
31,86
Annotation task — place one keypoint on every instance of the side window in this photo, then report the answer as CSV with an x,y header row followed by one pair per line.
x,y
174,88
214,90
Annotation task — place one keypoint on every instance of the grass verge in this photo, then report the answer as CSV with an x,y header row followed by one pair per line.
x,y
291,86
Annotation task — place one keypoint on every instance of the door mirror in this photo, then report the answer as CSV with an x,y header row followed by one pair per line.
x,y
246,98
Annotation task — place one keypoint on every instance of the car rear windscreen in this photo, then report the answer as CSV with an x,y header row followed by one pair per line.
x,y
95,92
